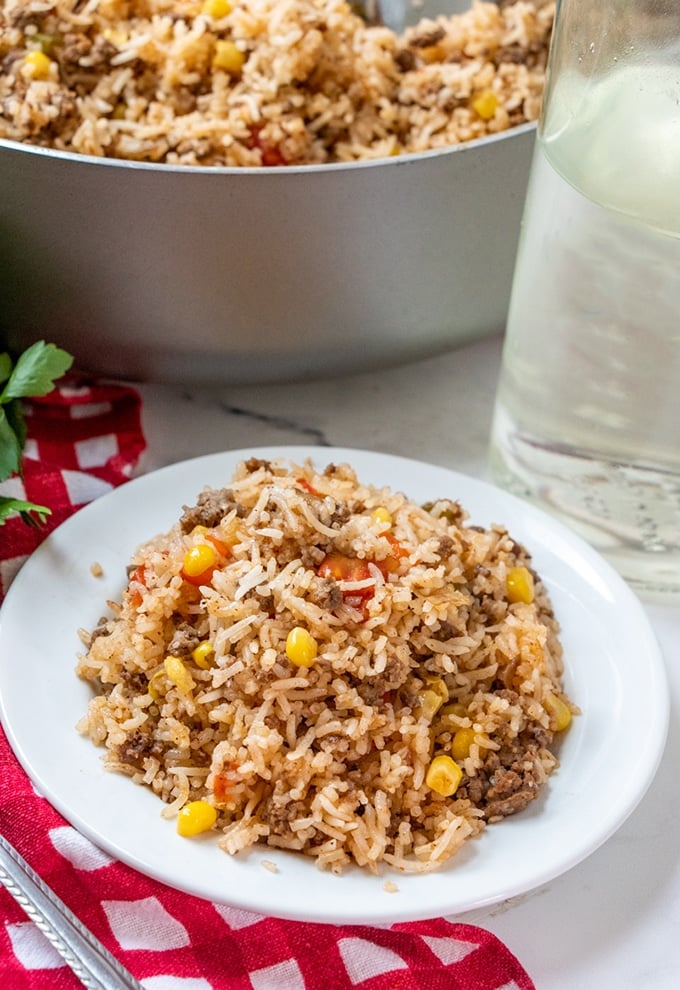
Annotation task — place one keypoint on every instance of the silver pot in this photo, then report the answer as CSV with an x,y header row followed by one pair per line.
x,y
244,275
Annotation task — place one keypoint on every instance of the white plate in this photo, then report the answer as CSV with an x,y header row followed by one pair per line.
x,y
614,671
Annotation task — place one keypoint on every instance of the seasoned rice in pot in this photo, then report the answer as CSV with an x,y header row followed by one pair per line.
x,y
326,667
262,82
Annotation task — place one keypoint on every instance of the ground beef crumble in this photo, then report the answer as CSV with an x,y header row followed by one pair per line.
x,y
328,595
184,640
210,509
510,778
280,813
137,747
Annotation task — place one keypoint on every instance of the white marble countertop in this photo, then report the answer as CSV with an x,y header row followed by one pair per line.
x,y
611,923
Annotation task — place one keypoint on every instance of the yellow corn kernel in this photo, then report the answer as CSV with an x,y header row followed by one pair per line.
x,y
202,655
559,711
199,530
179,675
216,8
455,708
432,53
461,743
519,583
196,817
428,704
228,57
37,64
439,687
443,776
301,647
431,698
115,36
485,104
198,560
382,515
157,685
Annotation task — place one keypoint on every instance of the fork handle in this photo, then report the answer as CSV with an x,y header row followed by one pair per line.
x,y
91,961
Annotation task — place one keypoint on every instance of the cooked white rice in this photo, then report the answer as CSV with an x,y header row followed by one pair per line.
x,y
263,82
424,651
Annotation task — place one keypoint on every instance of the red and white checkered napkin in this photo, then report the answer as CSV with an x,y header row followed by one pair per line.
x,y
85,439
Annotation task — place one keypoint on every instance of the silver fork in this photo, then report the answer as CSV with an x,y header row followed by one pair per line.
x,y
91,961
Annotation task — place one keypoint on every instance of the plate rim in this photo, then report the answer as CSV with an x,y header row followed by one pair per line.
x,y
392,911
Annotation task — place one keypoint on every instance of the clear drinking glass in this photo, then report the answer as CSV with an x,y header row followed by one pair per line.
x,y
587,417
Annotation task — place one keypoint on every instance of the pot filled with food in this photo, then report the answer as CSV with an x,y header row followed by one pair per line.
x,y
258,190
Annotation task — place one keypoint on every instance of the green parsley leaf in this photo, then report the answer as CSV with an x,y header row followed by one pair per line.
x,y
16,419
33,374
5,367
10,448
11,506
35,371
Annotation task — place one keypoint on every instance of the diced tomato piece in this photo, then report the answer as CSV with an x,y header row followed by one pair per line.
x,y
224,781
221,785
343,568
138,576
222,548
303,483
271,155
205,577
390,564
359,602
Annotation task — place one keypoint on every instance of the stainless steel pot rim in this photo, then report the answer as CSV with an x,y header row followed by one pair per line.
x,y
398,161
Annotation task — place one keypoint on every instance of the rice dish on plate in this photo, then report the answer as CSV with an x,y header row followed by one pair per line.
x,y
263,82
319,665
